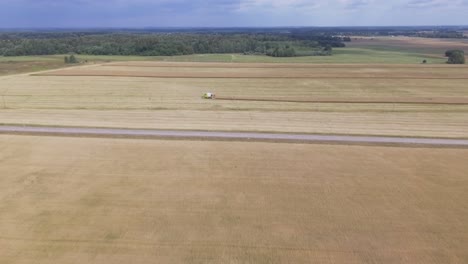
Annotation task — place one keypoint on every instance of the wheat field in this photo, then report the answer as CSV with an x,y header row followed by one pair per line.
x,y
175,103
96,200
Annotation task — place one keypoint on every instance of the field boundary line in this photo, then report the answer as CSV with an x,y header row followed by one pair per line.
x,y
229,65
136,75
216,135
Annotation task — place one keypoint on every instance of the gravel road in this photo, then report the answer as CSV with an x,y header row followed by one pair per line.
x,y
117,132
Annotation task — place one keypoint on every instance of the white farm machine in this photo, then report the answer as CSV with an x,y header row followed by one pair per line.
x,y
209,96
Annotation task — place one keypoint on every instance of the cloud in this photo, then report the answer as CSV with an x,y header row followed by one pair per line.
x,y
134,13
355,4
425,3
436,3
222,5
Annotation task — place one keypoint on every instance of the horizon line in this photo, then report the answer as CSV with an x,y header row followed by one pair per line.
x,y
228,27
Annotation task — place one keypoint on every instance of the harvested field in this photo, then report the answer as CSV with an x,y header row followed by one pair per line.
x,y
430,46
257,71
66,200
419,123
387,107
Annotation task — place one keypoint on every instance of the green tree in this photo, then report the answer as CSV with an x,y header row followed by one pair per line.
x,y
73,59
327,50
66,60
455,56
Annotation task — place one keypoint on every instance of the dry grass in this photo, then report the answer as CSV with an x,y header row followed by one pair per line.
x,y
72,200
175,103
16,67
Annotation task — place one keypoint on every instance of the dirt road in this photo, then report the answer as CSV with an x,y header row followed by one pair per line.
x,y
136,133
363,100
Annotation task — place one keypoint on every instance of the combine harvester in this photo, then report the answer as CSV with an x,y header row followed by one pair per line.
x,y
209,96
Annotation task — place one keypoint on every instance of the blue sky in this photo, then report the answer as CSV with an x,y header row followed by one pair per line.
x,y
229,13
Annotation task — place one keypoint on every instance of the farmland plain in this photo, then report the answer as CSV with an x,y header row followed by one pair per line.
x,y
121,200
96,200
361,50
381,50
169,97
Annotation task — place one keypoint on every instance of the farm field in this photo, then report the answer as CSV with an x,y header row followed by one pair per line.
x,y
353,54
264,71
361,50
95,200
432,47
16,67
380,50
170,98
117,199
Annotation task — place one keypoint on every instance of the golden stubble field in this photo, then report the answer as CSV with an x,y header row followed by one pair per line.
x,y
95,200
175,103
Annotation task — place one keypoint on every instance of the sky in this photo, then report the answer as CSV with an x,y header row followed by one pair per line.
x,y
229,13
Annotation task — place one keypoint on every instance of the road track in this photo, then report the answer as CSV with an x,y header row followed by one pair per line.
x,y
215,135
430,101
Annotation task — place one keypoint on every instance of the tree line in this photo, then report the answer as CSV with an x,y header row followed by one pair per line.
x,y
166,44
455,32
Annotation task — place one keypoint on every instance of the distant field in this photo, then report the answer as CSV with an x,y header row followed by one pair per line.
x,y
60,58
75,200
340,55
433,48
27,64
360,51
380,50
175,103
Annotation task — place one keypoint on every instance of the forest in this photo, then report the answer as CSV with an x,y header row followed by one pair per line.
x,y
276,43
